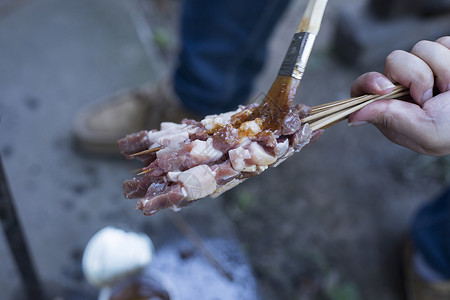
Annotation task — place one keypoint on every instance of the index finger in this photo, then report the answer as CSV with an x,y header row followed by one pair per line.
x,y
411,72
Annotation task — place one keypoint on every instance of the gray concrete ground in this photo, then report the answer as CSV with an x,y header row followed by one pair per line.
x,y
325,225
57,56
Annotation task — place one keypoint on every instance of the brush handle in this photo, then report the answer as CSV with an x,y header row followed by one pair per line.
x,y
312,17
297,55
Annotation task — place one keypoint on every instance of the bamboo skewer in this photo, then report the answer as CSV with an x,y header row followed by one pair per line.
x,y
329,108
325,115
352,101
148,151
145,172
325,107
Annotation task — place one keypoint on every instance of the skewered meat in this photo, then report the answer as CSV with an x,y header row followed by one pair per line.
x,y
194,159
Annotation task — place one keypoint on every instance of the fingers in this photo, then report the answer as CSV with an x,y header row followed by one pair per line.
x,y
437,56
428,62
416,70
404,123
444,41
424,128
412,72
371,83
396,114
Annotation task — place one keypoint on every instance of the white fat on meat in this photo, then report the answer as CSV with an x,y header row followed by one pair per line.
x,y
259,156
245,141
171,126
170,135
281,148
238,157
198,182
251,128
220,120
204,151
261,169
164,152
306,137
251,168
173,176
173,139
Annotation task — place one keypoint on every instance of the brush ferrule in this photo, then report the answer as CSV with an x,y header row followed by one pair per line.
x,y
297,55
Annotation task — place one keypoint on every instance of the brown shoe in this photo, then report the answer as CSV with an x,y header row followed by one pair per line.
x,y
99,125
416,287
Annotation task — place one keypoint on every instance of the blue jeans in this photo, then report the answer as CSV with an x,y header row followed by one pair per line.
x,y
223,48
431,233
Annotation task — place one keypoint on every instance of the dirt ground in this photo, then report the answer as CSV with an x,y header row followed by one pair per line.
x,y
329,223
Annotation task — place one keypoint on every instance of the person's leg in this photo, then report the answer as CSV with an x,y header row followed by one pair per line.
x,y
223,48
431,238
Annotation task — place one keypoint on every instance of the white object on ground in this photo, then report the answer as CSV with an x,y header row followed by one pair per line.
x,y
113,253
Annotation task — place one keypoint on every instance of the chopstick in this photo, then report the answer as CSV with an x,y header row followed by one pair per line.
x,y
325,115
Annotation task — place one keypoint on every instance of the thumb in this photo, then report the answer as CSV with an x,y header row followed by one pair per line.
x,y
402,122
395,114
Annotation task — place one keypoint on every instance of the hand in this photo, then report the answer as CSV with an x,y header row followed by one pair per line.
x,y
423,123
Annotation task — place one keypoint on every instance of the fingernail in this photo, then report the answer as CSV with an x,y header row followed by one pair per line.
x,y
427,96
384,83
357,123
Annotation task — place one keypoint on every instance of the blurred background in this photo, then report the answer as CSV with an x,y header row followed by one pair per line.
x,y
328,224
